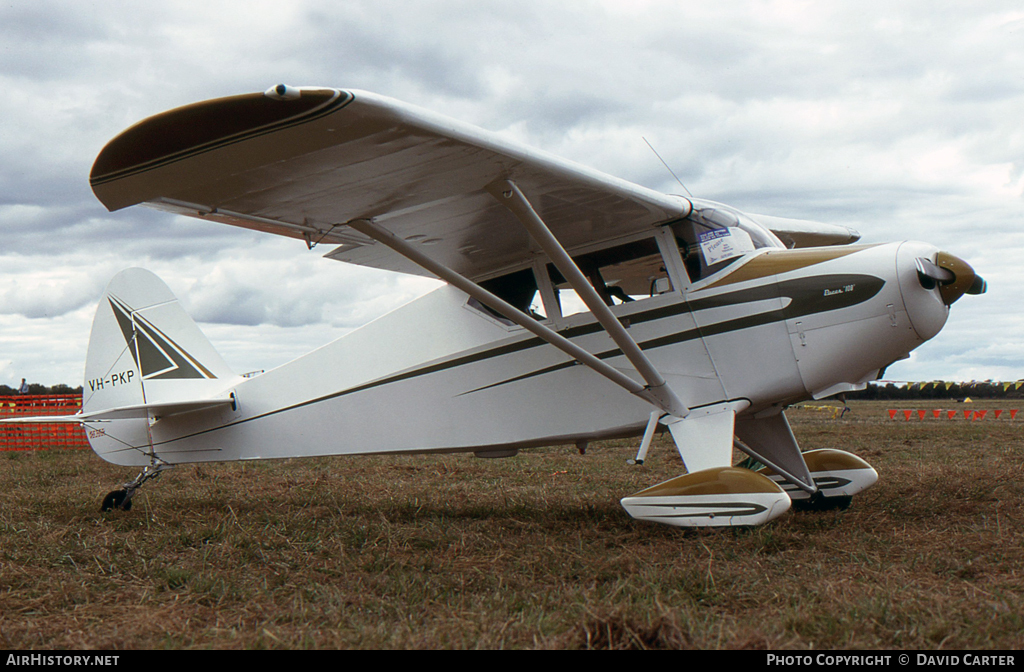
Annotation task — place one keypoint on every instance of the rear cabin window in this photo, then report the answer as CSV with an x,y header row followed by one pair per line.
x,y
518,289
621,274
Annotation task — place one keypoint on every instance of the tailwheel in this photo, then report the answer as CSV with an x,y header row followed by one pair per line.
x,y
122,499
717,497
839,476
118,499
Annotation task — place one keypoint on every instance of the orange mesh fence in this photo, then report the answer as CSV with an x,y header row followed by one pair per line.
x,y
41,436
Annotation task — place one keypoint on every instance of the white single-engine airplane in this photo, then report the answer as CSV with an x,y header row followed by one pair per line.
x,y
697,317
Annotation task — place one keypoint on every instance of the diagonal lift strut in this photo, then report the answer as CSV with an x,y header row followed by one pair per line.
x,y
411,252
509,195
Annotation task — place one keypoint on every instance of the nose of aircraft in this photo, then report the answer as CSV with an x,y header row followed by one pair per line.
x,y
931,281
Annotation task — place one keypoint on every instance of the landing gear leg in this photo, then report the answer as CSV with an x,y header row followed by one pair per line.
x,y
645,444
122,499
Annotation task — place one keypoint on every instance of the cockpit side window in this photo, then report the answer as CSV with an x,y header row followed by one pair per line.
x,y
620,274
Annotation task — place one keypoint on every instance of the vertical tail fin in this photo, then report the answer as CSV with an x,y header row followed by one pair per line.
x,y
144,349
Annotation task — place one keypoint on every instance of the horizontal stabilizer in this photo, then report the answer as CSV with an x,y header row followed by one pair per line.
x,y
41,419
161,410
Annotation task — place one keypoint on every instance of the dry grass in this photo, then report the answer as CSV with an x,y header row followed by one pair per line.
x,y
531,552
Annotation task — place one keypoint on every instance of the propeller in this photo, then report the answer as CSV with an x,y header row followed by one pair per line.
x,y
952,275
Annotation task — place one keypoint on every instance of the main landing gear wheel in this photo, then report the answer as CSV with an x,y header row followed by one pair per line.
x,y
821,503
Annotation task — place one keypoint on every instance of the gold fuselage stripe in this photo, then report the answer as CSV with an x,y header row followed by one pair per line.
x,y
776,262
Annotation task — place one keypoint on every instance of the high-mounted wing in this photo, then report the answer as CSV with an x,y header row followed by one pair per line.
x,y
303,162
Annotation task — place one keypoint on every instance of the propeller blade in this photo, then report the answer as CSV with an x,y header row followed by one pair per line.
x,y
930,275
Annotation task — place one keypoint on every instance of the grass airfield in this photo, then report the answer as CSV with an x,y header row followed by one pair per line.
x,y
528,552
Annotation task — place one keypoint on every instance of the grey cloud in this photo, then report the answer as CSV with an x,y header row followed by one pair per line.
x,y
90,231
35,34
231,305
50,298
724,93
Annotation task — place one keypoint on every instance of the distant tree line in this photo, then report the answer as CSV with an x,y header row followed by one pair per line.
x,y
941,390
35,388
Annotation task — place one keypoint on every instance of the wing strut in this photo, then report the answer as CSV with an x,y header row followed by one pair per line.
x,y
389,239
509,195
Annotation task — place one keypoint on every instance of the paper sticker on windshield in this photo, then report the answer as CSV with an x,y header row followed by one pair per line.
x,y
721,244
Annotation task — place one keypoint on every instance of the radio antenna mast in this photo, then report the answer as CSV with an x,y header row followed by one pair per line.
x,y
669,169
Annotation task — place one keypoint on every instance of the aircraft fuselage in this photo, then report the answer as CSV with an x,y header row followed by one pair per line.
x,y
439,374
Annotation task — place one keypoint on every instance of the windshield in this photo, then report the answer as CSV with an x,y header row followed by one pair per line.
x,y
716,235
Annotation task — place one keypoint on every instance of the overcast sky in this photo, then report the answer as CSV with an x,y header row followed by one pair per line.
x,y
902,120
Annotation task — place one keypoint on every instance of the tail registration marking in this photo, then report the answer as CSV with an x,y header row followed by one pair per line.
x,y
113,380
